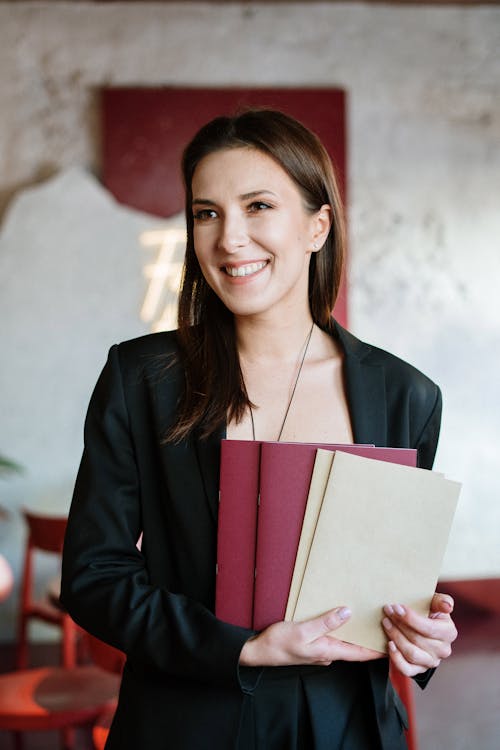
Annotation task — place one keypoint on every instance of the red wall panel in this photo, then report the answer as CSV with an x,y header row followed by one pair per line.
x,y
144,131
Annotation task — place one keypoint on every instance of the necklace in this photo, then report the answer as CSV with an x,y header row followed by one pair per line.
x,y
306,346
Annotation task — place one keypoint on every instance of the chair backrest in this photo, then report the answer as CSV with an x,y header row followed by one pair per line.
x,y
45,532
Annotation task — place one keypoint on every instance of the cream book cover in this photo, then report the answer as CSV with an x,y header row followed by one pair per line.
x,y
380,538
319,479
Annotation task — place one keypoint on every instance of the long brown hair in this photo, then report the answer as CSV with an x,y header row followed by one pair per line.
x,y
214,389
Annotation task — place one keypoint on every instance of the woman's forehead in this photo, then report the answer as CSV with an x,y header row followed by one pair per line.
x,y
239,170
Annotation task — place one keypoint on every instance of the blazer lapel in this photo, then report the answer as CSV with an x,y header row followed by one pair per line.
x,y
365,385
208,455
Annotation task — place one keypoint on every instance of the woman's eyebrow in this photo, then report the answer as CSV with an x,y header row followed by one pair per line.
x,y
255,193
243,197
202,201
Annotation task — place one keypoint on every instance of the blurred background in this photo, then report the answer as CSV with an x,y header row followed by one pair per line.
x,y
93,94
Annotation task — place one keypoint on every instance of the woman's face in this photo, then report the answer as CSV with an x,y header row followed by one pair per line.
x,y
252,235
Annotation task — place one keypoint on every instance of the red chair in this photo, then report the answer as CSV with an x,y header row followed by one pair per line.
x,y
51,698
55,698
404,687
45,534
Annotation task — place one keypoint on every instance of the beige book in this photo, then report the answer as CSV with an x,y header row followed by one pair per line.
x,y
319,480
380,539
321,472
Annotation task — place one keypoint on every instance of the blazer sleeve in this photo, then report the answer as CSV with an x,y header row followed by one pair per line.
x,y
428,437
105,582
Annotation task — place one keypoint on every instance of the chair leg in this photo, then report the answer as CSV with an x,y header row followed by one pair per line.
x,y
68,642
22,646
68,739
18,740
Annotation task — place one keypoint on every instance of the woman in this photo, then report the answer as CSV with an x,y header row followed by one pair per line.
x,y
257,355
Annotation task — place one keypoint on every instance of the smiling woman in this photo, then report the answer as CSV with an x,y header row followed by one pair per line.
x,y
257,355
279,205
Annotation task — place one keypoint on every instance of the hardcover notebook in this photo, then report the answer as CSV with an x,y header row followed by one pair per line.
x,y
237,528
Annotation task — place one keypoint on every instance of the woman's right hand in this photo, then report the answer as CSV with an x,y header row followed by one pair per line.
x,y
309,642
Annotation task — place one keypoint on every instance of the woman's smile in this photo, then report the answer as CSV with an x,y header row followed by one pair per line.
x,y
244,269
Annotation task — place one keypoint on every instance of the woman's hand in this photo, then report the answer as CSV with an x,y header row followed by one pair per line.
x,y
309,642
418,643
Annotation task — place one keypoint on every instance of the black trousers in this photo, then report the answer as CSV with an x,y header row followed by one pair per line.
x,y
310,708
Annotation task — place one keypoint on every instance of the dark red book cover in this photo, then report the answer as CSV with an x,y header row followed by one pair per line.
x,y
285,475
237,529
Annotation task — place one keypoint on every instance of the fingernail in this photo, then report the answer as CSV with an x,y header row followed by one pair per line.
x,y
392,646
387,623
400,610
388,609
343,613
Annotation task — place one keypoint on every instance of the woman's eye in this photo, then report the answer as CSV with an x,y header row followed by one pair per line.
x,y
204,214
257,206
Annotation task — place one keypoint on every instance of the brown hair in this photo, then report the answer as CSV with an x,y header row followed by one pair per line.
x,y
214,389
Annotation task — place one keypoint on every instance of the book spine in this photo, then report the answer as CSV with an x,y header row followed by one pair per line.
x,y
237,523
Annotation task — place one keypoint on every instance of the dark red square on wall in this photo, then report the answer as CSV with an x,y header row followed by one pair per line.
x,y
144,131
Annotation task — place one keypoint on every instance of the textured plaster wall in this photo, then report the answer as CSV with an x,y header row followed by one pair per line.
x,y
424,161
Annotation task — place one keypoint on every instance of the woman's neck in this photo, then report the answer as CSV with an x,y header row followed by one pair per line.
x,y
263,340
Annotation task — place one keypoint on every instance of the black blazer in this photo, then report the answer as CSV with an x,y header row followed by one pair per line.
x,y
181,685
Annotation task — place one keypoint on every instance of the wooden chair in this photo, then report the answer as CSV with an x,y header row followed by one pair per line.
x,y
55,698
51,698
45,534
404,687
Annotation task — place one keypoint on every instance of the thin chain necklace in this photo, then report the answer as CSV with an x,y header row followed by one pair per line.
x,y
306,347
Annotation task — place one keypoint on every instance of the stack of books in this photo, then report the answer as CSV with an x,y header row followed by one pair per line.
x,y
304,528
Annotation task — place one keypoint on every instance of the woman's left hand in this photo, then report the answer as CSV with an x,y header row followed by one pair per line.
x,y
418,643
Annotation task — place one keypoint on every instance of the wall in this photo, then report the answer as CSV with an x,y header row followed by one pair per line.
x,y
424,131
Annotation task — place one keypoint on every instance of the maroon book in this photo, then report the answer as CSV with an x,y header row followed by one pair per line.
x,y
237,528
285,475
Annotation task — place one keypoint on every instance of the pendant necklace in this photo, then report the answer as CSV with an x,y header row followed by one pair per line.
x,y
306,346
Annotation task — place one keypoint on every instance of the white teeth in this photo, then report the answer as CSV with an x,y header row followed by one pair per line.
x,y
245,270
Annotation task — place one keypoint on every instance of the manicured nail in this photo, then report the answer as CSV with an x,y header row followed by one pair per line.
x,y
388,609
387,623
392,646
399,609
343,613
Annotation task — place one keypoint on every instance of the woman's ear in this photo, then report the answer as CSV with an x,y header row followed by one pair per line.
x,y
322,221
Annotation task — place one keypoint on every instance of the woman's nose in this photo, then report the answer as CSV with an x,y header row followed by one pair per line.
x,y
233,234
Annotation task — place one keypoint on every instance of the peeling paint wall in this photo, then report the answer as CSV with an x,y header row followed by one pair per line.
x,y
424,157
